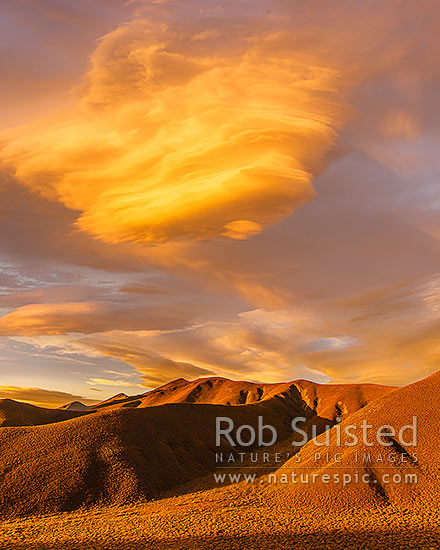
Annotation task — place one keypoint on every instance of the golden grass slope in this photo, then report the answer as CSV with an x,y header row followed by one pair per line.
x,y
391,468
262,516
127,450
114,400
224,521
117,455
327,400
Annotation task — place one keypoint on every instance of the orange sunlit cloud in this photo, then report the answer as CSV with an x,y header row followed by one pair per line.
x,y
86,317
176,143
393,336
41,397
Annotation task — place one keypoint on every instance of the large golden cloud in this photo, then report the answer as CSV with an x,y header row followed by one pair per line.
x,y
184,134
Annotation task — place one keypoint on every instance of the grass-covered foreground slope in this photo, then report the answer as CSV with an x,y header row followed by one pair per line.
x,y
261,515
235,518
116,454
119,455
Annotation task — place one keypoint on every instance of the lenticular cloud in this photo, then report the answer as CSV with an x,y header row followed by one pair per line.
x,y
185,133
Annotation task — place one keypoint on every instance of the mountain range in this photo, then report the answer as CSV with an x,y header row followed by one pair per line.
x,y
156,453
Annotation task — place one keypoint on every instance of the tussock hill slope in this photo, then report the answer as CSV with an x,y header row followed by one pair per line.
x,y
128,449
114,400
15,413
394,461
326,400
254,516
118,455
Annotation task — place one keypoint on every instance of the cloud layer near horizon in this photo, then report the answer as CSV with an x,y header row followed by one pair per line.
x,y
383,338
42,398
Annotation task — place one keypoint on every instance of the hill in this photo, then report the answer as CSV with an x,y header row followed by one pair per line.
x,y
15,413
390,467
261,516
121,453
118,455
325,400
114,400
74,406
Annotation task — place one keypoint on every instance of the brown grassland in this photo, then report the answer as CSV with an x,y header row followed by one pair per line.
x,y
138,472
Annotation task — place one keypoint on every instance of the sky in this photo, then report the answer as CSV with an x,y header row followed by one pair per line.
x,y
246,189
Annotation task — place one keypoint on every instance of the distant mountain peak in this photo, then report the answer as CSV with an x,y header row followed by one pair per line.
x,y
118,396
111,400
74,406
